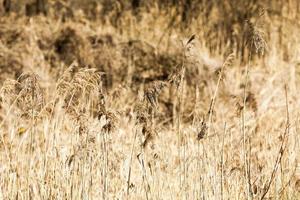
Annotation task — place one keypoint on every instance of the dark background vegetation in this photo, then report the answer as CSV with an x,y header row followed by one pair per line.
x,y
68,31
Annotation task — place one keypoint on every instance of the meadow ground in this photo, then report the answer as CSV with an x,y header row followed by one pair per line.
x,y
149,100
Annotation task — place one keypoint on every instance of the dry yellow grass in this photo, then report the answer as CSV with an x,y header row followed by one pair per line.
x,y
119,100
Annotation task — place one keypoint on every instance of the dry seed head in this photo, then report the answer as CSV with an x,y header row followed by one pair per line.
x,y
153,91
110,117
228,61
83,78
176,76
141,112
66,77
202,131
31,94
76,86
255,39
87,79
8,91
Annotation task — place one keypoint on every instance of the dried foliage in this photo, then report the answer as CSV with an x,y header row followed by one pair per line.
x,y
31,97
74,86
255,38
25,93
152,92
105,99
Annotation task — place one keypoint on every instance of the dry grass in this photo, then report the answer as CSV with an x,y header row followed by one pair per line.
x,y
117,100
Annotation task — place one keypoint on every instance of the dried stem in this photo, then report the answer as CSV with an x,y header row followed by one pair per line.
x,y
281,149
222,163
130,161
227,62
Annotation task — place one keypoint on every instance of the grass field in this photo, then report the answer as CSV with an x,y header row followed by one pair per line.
x,y
149,100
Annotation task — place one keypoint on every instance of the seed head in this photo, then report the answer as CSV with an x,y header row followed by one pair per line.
x,y
153,91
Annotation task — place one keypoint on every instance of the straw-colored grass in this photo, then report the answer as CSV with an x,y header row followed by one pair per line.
x,y
109,100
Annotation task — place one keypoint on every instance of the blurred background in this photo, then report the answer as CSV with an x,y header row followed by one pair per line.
x,y
135,42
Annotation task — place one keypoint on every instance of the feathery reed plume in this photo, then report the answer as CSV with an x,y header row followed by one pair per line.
x,y
75,86
67,76
141,111
228,61
152,92
8,91
87,79
255,38
174,77
31,94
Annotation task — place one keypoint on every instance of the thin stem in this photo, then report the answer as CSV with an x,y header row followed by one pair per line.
x,y
246,164
130,161
222,163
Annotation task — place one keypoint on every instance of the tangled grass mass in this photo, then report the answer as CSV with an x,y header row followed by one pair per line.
x,y
136,99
